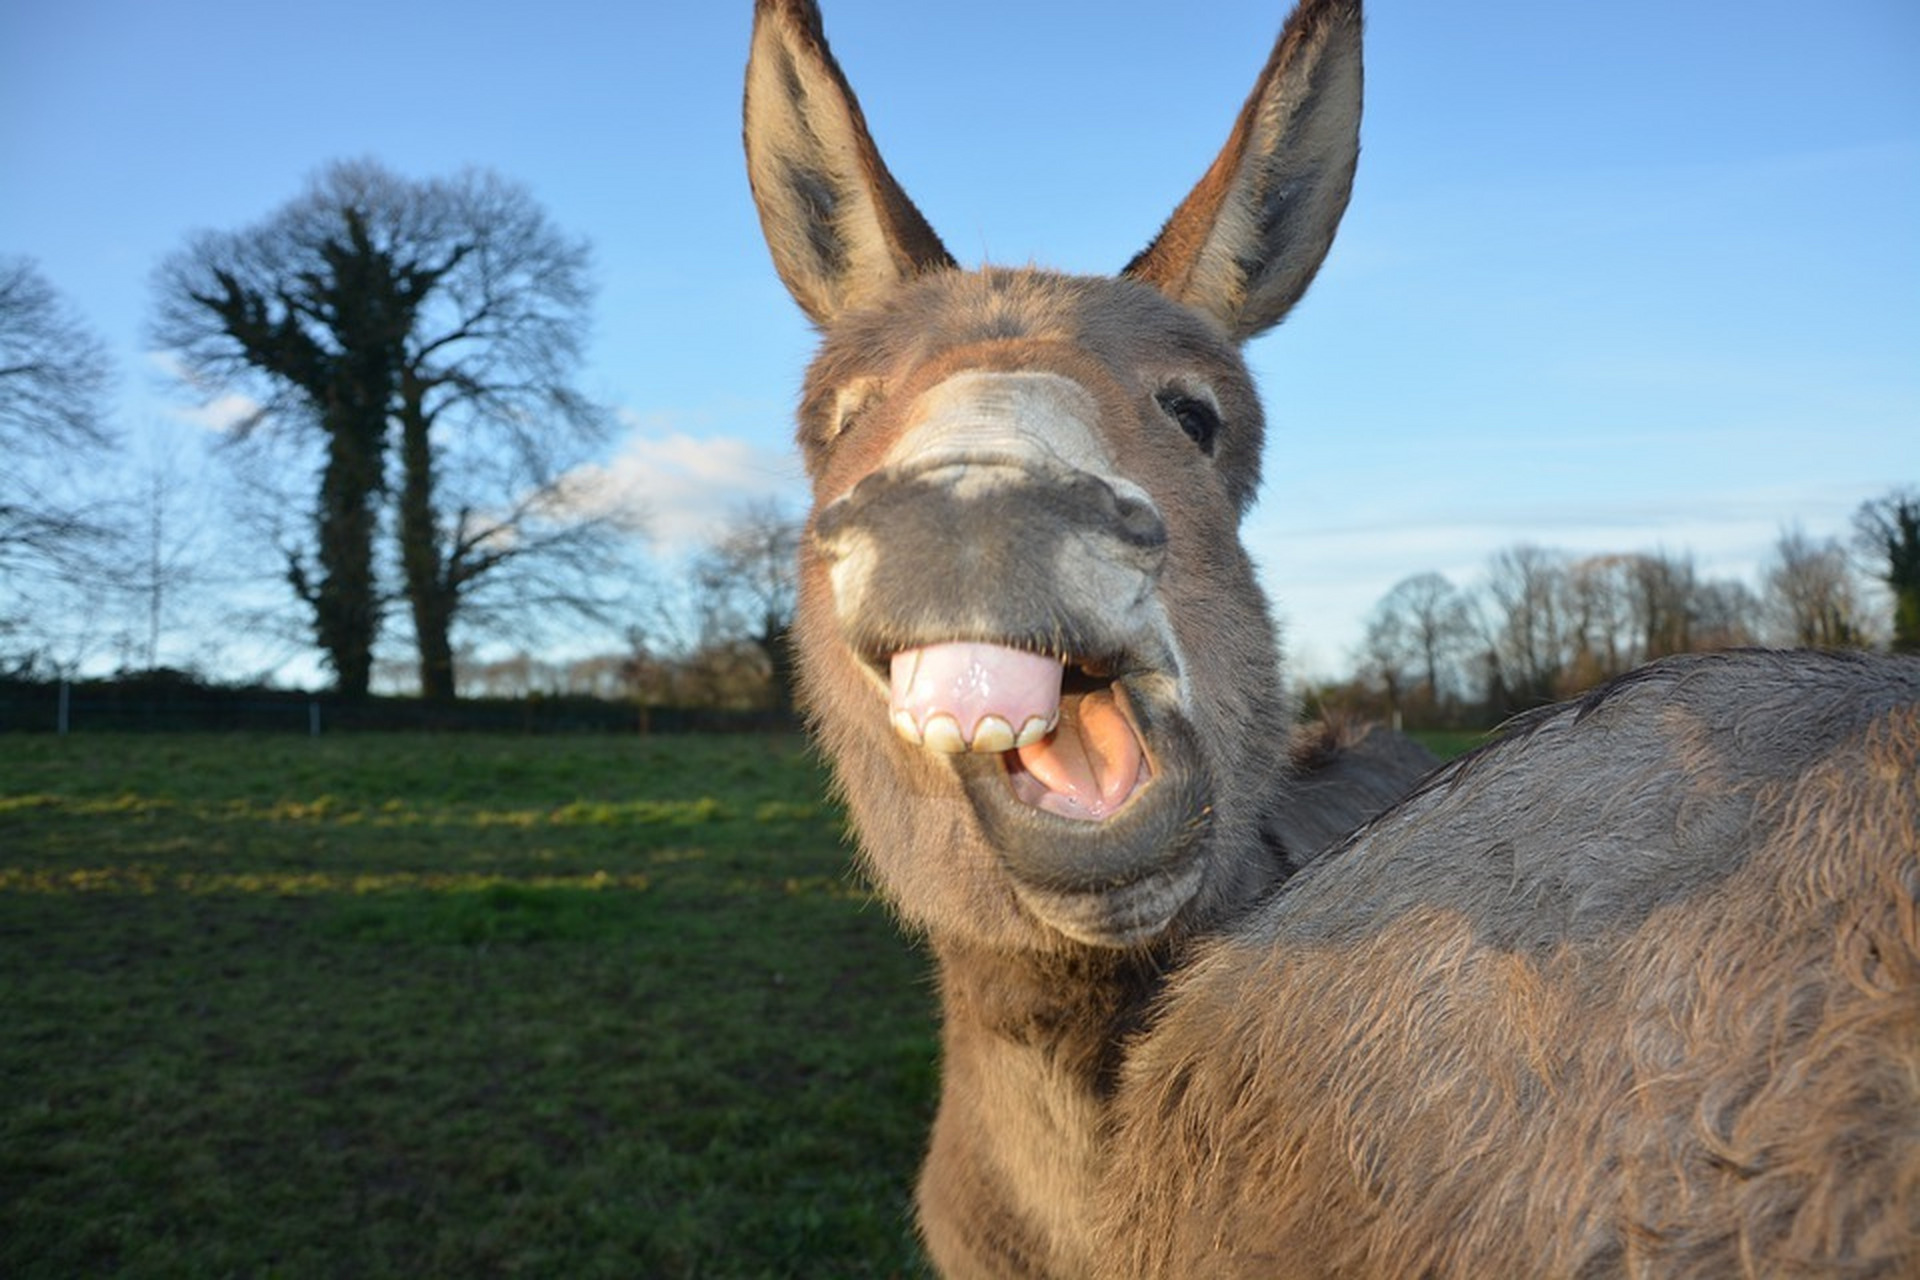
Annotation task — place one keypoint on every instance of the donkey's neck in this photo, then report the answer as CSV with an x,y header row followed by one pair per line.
x,y
1032,1049
1072,1009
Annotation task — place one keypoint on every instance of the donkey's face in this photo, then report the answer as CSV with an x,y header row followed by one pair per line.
x,y
1029,636
1022,579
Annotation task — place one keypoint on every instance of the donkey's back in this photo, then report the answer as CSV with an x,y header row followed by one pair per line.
x,y
1636,990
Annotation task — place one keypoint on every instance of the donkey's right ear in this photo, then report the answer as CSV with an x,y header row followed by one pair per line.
x,y
841,229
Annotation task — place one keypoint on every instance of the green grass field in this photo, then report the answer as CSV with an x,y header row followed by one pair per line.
x,y
447,1006
416,1006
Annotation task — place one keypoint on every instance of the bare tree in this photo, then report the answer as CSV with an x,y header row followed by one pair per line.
x,y
1726,615
747,585
1626,609
1665,591
488,420
1810,595
1386,661
430,327
306,313
529,571
1888,533
167,559
1529,633
1421,628
1602,621
53,383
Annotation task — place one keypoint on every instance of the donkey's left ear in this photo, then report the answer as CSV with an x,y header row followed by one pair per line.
x,y
842,231
1244,245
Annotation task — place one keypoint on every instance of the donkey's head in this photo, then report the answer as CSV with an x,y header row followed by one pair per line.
x,y
1029,636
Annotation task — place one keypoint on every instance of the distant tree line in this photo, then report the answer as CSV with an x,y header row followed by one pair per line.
x,y
1540,625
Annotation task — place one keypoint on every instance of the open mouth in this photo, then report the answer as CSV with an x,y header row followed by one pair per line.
x,y
1086,778
1061,729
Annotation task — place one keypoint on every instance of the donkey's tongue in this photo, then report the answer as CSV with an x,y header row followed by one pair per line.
x,y
984,698
1088,768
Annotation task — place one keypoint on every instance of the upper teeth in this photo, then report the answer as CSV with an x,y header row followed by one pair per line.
x,y
942,732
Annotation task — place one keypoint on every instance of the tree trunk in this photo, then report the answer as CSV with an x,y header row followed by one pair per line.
x,y
431,595
345,616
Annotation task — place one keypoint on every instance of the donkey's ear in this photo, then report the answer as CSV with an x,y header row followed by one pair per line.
x,y
841,229
1245,243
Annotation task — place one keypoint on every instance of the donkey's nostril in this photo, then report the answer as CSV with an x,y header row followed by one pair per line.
x,y
1117,509
1140,522
828,531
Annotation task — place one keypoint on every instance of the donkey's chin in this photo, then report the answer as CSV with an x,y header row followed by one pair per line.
x,y
1120,877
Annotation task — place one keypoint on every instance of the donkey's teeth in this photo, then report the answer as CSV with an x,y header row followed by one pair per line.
x,y
984,688
942,733
1034,730
906,726
992,734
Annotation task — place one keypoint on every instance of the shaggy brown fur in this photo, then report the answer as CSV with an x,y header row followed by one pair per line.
x,y
1635,992
1631,993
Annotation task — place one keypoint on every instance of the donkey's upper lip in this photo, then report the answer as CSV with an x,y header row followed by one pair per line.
x,y
1080,672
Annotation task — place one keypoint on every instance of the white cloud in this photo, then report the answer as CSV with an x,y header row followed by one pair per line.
x,y
684,487
218,414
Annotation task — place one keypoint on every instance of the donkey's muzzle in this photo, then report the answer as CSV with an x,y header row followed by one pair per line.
x,y
1008,552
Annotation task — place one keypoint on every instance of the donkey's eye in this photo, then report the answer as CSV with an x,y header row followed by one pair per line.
x,y
1199,419
850,402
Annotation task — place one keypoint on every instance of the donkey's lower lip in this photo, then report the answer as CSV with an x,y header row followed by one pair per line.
x,y
1120,876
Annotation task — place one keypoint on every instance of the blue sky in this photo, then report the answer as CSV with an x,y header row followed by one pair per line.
x,y
1615,277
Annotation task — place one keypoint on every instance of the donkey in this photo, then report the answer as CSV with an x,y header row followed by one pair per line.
x,y
1634,991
